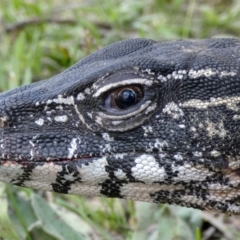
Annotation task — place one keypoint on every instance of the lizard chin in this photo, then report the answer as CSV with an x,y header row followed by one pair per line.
x,y
88,176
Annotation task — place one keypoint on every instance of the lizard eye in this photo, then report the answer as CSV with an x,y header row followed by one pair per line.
x,y
124,101
124,97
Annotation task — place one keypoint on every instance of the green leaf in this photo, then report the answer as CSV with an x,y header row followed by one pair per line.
x,y
146,221
52,222
19,203
7,228
73,220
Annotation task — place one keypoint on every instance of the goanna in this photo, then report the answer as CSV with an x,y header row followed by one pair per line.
x,y
139,119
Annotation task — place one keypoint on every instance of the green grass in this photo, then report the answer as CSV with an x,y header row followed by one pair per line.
x,y
41,38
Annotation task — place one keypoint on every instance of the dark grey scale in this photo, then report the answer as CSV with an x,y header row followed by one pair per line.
x,y
223,207
216,178
166,164
235,200
160,196
112,188
62,185
175,197
27,168
125,164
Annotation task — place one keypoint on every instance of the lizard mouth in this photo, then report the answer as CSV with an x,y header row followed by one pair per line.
x,y
26,161
74,176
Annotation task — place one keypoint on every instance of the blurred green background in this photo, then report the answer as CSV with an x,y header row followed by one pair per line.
x,y
41,38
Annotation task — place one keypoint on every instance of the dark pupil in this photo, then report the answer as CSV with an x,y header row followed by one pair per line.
x,y
125,99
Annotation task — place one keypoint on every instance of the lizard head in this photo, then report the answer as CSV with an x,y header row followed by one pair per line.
x,y
139,119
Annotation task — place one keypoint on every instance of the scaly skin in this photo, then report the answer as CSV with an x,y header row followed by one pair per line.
x,y
173,139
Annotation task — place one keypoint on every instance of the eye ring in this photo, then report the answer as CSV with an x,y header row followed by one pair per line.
x,y
124,97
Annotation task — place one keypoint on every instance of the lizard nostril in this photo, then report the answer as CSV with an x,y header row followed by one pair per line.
x,y
4,119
